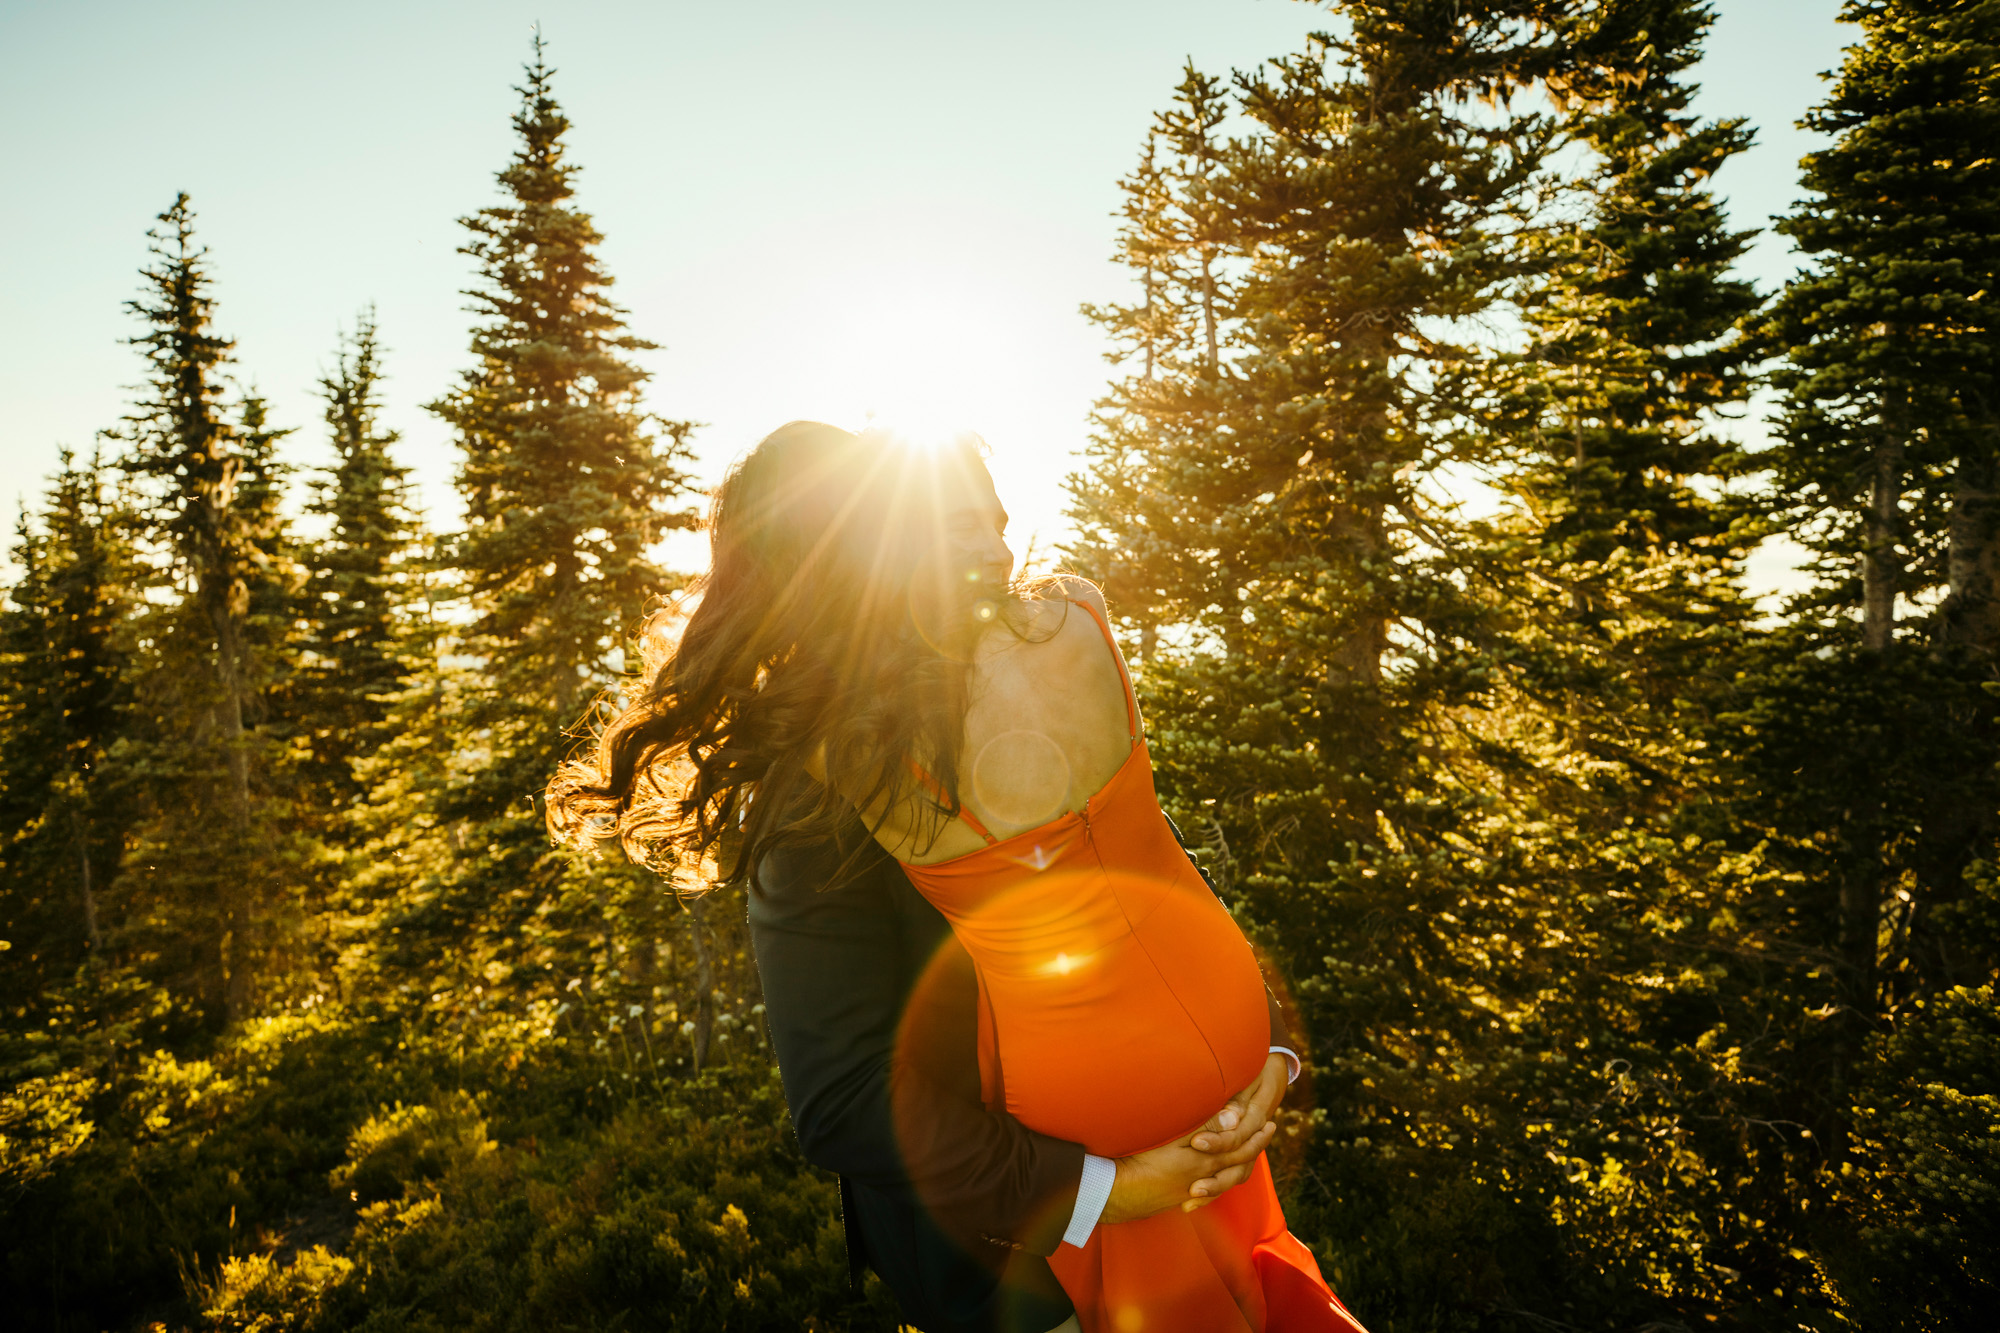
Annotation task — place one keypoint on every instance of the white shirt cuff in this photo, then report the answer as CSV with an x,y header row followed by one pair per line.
x,y
1291,1063
1093,1191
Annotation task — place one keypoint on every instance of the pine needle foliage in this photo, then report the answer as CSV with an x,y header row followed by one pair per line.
x,y
204,889
364,579
64,694
1886,464
1867,721
568,483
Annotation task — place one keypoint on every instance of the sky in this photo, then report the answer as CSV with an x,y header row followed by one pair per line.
x,y
818,210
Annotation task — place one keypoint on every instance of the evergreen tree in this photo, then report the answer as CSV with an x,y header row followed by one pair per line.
x,y
1887,462
205,875
62,704
1607,430
361,580
1176,235
1866,732
568,483
1885,470
1377,735
1618,564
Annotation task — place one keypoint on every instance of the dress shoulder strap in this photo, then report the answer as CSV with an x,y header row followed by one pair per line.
x,y
937,790
1131,701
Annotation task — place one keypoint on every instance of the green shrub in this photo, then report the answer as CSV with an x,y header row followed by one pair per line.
x,y
259,1294
401,1146
1924,1188
691,1211
177,1163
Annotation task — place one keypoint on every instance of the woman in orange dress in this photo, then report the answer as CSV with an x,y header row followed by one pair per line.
x,y
860,645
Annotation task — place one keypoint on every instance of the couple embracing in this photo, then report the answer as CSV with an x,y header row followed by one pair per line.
x,y
1007,1007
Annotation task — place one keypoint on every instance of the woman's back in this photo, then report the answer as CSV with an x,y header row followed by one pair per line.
x,y
1046,727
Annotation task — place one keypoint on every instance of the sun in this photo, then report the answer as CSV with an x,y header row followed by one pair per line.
x,y
929,342
921,357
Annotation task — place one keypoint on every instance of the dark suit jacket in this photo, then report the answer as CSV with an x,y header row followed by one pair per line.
x,y
955,1206
956,1212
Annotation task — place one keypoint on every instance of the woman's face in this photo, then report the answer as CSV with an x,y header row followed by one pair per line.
x,y
974,534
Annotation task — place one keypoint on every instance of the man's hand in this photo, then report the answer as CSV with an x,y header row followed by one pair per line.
x,y
1194,1171
1254,1108
1162,1178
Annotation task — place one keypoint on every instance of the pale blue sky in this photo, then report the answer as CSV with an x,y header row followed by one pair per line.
x,y
817,209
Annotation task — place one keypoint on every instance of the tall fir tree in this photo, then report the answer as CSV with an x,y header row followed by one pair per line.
x,y
62,709
1610,426
1884,470
1177,236
362,582
1618,560
1868,724
203,889
1887,455
568,483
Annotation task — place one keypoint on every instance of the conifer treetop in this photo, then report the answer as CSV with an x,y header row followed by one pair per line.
x,y
178,431
1904,210
567,480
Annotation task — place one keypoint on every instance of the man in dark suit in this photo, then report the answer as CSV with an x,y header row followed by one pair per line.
x,y
955,1206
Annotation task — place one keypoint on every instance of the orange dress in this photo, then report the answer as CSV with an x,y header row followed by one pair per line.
x,y
1120,1006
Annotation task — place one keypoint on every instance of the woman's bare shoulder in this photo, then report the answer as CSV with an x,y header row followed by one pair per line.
x,y
1051,619
1063,637
1076,588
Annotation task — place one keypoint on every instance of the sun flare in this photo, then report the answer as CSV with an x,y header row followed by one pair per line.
x,y
926,354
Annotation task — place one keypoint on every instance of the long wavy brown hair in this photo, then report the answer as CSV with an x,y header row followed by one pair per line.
x,y
829,623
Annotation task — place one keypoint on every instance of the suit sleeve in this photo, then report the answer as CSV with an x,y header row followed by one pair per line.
x,y
982,1173
839,969
833,982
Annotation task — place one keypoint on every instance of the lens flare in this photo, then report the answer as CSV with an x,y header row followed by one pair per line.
x,y
1021,778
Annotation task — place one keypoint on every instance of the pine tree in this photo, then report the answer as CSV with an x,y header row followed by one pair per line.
x,y
1885,470
181,440
1890,391
1608,425
361,580
567,482
1176,235
1867,725
206,873
1366,723
62,708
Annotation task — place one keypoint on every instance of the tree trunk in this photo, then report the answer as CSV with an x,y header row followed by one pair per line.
x,y
224,599
1861,890
1971,611
1149,322
1879,565
1860,924
1208,308
704,980
1363,527
91,932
